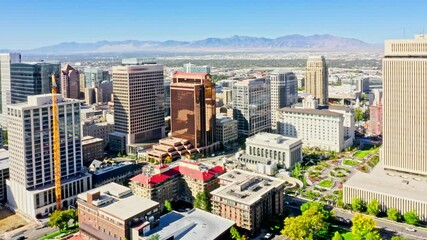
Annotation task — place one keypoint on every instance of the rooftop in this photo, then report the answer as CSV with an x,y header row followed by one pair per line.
x,y
89,139
391,183
272,140
246,187
122,204
311,111
190,75
196,224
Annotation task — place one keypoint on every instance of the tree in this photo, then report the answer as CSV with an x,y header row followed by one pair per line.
x,y
364,227
296,172
236,235
119,154
357,204
337,236
393,214
373,207
168,206
317,206
411,217
202,201
398,238
59,219
306,226
167,160
358,115
154,237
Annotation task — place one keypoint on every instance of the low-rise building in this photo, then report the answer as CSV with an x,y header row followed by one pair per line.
x,y
182,182
98,129
92,148
286,151
110,212
404,192
248,198
103,173
175,225
4,173
226,130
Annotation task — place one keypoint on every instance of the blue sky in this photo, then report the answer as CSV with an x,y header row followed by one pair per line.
x,y
28,24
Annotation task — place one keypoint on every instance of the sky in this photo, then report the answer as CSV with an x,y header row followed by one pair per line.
x,y
28,24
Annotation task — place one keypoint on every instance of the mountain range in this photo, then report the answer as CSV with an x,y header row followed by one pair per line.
x,y
235,43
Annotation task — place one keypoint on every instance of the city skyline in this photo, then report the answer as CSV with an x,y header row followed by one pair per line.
x,y
152,20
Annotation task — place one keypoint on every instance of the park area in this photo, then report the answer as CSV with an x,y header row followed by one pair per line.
x,y
10,221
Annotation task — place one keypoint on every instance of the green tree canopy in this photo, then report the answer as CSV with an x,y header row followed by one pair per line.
x,y
60,218
337,236
320,207
358,115
168,206
202,201
296,172
393,214
373,207
236,235
411,217
364,227
306,226
398,238
358,204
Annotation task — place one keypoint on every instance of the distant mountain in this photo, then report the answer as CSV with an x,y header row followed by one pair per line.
x,y
234,43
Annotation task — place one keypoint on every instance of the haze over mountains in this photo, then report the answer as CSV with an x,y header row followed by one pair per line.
x,y
235,43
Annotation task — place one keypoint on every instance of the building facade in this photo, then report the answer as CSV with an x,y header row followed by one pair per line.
x,y
29,79
226,130
4,173
252,106
98,130
70,82
248,198
284,93
193,108
31,184
320,128
6,59
94,76
139,102
92,148
110,212
192,68
285,151
375,126
316,79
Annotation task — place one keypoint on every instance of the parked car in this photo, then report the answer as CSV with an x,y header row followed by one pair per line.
x,y
268,236
411,229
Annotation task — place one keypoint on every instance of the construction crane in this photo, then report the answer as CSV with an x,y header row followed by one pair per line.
x,y
56,145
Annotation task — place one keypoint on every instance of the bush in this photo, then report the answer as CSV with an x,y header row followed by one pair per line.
x,y
373,207
411,217
350,162
328,183
394,214
358,205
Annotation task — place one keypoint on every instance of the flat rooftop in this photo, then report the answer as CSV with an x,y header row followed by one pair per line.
x,y
391,183
246,187
89,139
271,140
311,111
194,225
124,204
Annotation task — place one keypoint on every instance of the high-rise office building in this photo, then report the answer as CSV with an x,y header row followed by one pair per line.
x,y
139,102
405,99
29,79
70,82
400,179
6,59
31,185
191,68
252,106
95,76
284,92
316,79
193,108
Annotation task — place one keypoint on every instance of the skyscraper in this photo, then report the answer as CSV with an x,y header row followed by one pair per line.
x,y
284,92
316,79
31,184
252,106
6,59
193,108
192,68
95,76
32,79
70,82
405,99
400,179
138,102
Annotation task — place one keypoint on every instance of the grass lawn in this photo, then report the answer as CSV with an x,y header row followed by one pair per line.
x,y
71,230
327,183
10,221
350,162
